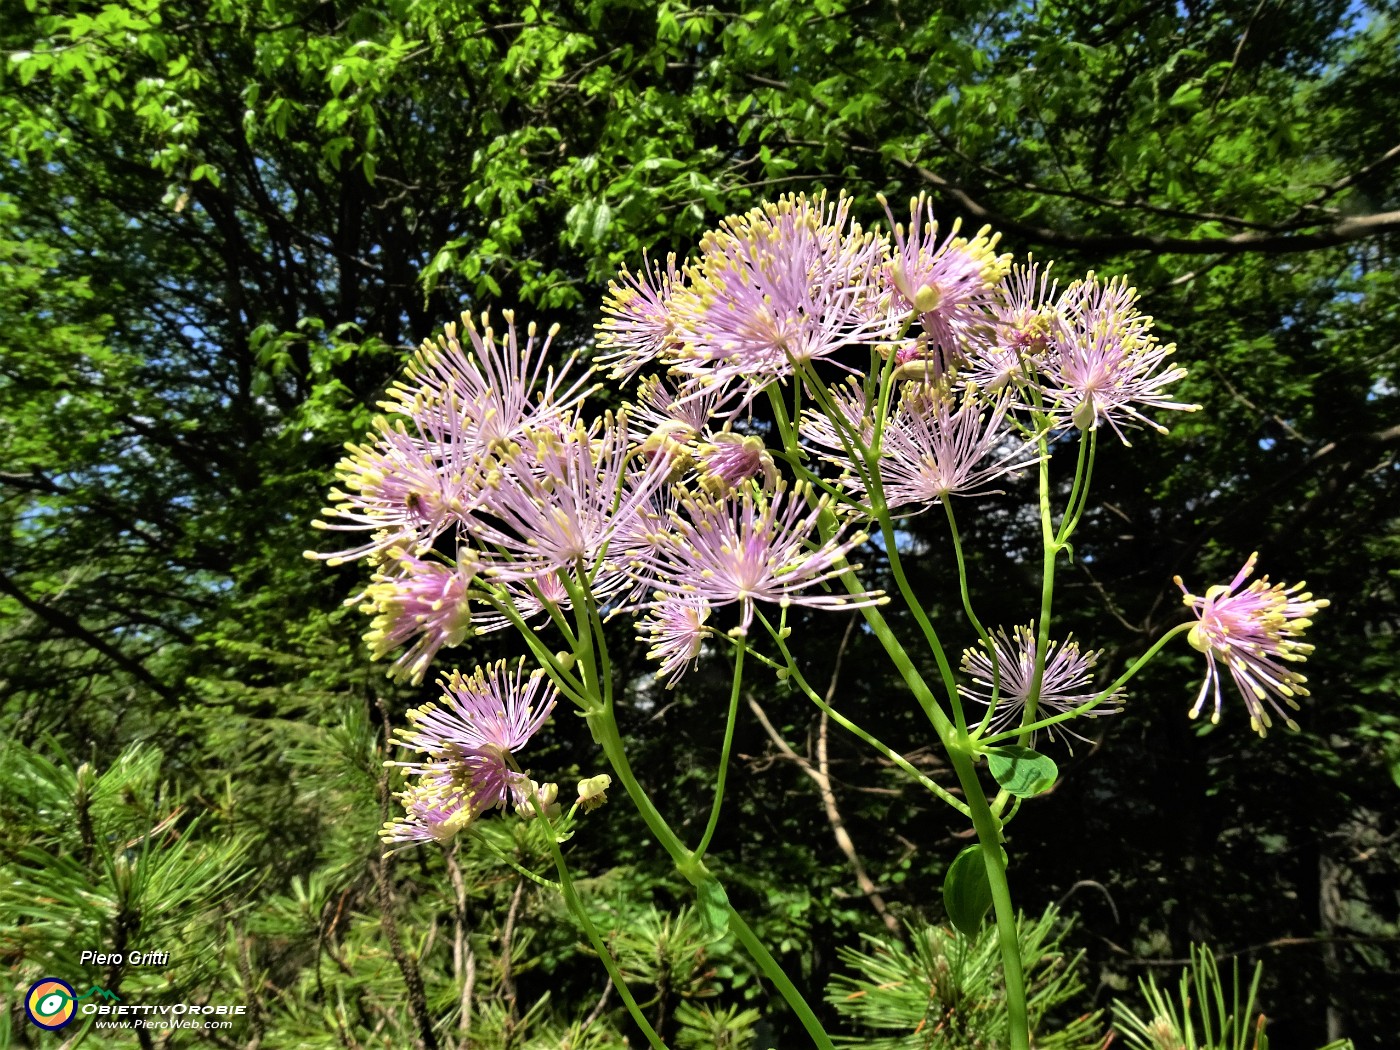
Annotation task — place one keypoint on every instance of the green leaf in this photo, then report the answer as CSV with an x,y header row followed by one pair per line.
x,y
1021,771
713,906
967,893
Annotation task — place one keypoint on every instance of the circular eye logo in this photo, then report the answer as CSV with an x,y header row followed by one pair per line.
x,y
50,1003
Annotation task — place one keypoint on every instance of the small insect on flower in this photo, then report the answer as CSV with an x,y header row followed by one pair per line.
x,y
1254,632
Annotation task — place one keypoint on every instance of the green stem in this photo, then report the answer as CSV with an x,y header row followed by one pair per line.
x,y
724,751
1051,549
972,617
989,838
605,730
602,722
868,459
1079,494
959,750
845,723
569,685
575,904
554,613
520,869
774,973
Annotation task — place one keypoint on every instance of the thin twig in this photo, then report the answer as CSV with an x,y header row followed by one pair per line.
x,y
821,775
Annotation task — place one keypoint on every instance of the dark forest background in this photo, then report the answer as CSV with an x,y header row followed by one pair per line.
x,y
226,222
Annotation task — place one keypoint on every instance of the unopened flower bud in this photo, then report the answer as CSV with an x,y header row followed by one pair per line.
x,y
547,794
593,792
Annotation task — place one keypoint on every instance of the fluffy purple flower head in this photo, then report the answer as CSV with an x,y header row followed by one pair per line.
x,y
430,815
419,601
528,597
1254,632
469,741
1066,683
675,628
402,494
752,546
559,499
727,459
855,425
1108,367
1026,328
787,282
421,472
950,285
685,413
934,444
490,394
639,324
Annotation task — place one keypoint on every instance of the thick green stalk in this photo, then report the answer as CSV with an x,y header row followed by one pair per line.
x,y
602,722
989,838
972,617
775,973
1079,494
1051,550
960,753
954,739
605,731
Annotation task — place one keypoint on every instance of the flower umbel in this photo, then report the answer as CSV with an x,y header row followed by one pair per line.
x,y
1254,633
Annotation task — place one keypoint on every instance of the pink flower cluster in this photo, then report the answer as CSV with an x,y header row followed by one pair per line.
x,y
486,496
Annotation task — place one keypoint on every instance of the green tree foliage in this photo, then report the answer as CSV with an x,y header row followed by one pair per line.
x,y
224,223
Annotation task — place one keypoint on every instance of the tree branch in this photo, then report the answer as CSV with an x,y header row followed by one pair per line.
x,y
1344,231
70,627
821,775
